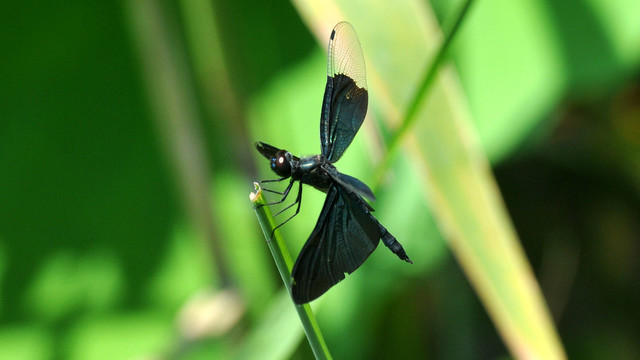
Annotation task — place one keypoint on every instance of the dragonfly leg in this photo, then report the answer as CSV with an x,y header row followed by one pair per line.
x,y
270,181
284,194
298,201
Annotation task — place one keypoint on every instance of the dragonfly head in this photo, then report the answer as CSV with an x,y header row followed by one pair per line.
x,y
280,160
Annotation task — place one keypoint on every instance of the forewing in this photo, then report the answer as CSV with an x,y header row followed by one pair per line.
x,y
344,105
344,237
353,184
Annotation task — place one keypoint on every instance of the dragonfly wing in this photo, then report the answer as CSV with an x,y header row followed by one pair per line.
x,y
345,101
344,237
352,184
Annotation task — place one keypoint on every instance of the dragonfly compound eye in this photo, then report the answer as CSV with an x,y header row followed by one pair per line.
x,y
281,163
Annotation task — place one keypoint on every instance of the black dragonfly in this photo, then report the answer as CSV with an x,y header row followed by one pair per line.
x,y
346,232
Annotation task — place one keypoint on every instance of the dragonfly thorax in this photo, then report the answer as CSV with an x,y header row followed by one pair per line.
x,y
312,170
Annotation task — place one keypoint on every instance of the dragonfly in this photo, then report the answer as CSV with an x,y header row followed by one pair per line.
x,y
346,232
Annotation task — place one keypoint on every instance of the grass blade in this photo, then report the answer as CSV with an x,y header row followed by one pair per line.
x,y
420,94
284,264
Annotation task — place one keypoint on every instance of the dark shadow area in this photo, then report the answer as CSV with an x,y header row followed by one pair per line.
x,y
577,209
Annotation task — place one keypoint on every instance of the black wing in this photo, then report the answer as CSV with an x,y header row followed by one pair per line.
x,y
345,96
344,237
353,184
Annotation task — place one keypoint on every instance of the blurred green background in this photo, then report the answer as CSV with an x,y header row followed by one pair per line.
x,y
126,160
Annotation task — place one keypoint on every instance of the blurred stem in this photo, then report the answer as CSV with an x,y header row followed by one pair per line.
x,y
211,70
420,94
207,56
175,113
284,264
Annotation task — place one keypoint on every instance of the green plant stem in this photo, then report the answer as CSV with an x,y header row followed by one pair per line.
x,y
284,264
420,94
